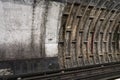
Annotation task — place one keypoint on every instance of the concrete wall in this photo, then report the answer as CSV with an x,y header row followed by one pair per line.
x,y
29,29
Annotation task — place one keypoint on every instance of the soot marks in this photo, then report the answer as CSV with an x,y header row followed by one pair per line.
x,y
32,29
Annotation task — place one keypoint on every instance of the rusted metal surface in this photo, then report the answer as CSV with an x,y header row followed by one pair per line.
x,y
89,33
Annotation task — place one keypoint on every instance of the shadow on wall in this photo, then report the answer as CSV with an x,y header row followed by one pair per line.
x,y
18,51
116,38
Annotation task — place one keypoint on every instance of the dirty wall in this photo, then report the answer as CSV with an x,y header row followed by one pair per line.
x,y
29,29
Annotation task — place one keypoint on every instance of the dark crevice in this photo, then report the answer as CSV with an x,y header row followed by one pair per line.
x,y
43,29
32,29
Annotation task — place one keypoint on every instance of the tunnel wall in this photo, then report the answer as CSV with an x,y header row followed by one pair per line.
x,y
29,28
89,33
31,31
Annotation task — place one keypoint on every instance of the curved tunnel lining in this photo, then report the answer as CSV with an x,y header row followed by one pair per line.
x,y
89,35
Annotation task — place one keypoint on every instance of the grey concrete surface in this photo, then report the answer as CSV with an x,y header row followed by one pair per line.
x,y
29,29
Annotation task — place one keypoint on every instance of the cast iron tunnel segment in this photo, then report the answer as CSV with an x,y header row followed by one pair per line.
x,y
89,33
